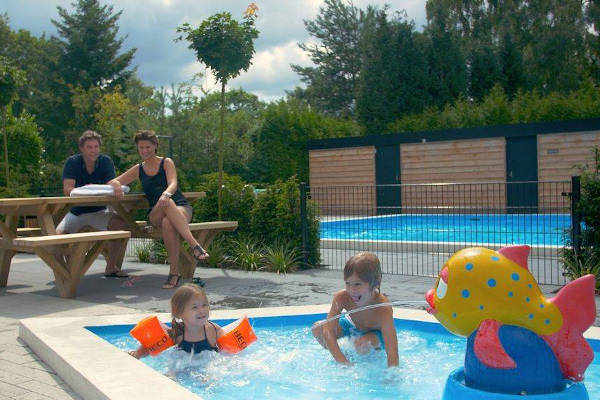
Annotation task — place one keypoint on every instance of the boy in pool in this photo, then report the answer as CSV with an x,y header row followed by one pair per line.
x,y
372,328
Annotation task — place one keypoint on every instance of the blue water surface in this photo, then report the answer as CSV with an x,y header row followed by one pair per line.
x,y
286,362
531,229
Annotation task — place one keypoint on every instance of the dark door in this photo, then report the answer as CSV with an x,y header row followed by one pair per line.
x,y
521,175
387,177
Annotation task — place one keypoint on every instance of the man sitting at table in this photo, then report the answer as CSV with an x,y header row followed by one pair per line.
x,y
91,167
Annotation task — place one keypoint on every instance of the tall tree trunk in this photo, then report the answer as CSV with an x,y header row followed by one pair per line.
x,y
220,153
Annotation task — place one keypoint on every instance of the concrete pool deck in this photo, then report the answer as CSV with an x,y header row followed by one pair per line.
x,y
31,293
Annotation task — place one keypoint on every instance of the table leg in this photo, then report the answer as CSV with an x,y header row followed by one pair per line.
x,y
47,224
6,255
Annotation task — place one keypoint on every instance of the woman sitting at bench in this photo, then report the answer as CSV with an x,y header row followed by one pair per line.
x,y
169,210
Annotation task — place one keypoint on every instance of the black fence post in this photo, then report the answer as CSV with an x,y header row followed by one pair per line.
x,y
304,222
575,215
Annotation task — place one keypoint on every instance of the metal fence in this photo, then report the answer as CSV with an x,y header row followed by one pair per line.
x,y
415,228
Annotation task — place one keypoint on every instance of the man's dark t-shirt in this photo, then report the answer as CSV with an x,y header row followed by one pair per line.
x,y
104,171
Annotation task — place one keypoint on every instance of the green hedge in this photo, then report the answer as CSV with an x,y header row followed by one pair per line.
x,y
498,109
271,217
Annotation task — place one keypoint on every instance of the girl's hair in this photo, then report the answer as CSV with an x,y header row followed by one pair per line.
x,y
367,267
89,135
180,299
146,135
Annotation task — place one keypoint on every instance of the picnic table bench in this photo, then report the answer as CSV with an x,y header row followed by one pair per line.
x,y
204,232
71,255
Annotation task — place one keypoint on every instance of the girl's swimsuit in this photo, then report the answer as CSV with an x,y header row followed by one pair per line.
x,y
197,347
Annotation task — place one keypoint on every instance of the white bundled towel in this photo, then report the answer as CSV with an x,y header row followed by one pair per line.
x,y
96,190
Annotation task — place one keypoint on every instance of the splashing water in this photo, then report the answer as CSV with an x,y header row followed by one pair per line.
x,y
386,304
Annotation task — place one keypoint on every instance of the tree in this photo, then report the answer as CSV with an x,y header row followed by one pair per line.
x,y
511,65
43,94
332,83
592,38
393,72
226,47
447,70
24,146
10,79
90,47
280,143
484,71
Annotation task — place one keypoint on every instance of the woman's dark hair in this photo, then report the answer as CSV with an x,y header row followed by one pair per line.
x,y
146,135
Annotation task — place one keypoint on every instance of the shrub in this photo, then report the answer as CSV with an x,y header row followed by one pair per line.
x,y
158,252
585,259
247,253
282,257
578,264
217,253
276,217
143,252
238,200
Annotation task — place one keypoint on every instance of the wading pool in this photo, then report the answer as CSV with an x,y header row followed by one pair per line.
x,y
284,363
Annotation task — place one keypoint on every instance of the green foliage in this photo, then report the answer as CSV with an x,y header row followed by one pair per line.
x,y
238,200
332,83
11,78
247,253
281,257
589,204
158,252
143,252
90,48
218,253
113,109
226,47
445,59
280,143
585,258
223,44
393,71
276,217
498,109
578,264
24,147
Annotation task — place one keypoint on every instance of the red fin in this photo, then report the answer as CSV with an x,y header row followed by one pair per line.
x,y
488,348
517,254
578,307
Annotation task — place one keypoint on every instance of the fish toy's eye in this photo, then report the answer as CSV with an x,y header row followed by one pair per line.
x,y
442,286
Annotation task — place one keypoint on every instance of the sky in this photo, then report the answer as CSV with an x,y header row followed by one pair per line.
x,y
150,27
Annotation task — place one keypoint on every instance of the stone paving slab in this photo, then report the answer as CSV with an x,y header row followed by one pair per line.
x,y
31,292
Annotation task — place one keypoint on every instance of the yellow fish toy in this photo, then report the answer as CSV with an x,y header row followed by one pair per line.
x,y
518,340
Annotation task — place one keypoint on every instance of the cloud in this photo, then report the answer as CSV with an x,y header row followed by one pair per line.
x,y
150,26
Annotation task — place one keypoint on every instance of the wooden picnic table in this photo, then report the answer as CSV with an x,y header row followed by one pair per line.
x,y
82,248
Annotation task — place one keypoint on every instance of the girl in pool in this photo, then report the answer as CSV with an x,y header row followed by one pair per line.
x,y
190,329
372,328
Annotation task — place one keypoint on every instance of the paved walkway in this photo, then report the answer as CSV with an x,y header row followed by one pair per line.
x,y
31,293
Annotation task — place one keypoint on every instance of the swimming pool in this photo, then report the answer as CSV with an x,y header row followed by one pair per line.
x,y
499,229
286,362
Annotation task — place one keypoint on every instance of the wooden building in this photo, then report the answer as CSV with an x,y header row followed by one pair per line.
x,y
513,168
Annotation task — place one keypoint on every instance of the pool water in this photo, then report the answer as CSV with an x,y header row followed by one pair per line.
x,y
286,362
531,229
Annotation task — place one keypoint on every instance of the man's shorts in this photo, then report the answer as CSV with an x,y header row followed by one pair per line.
x,y
98,220
349,329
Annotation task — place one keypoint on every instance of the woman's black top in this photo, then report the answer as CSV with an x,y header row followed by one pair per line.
x,y
155,185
